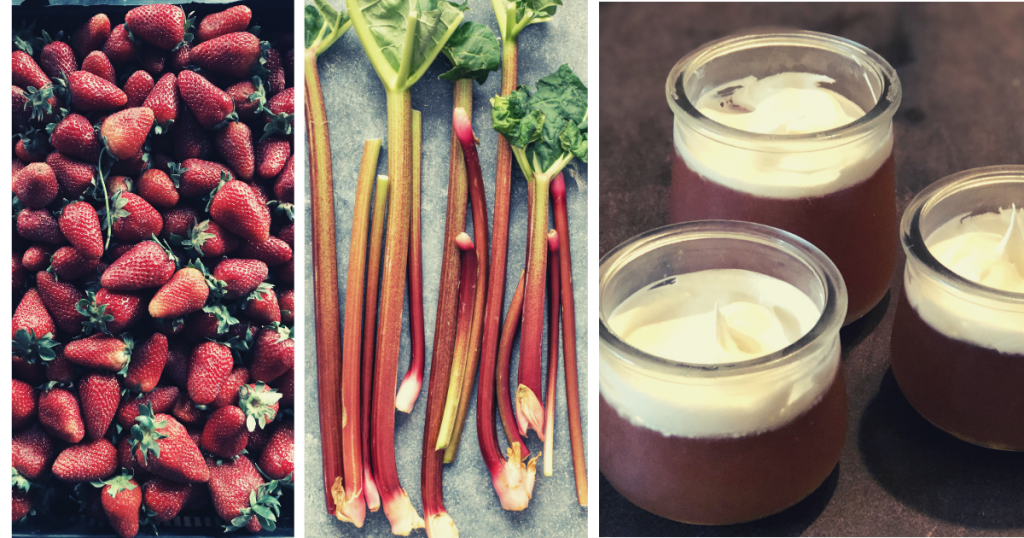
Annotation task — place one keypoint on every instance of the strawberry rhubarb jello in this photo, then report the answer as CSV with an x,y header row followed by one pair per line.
x,y
792,130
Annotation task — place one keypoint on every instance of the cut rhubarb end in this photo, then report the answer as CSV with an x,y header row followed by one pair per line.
x,y
402,515
349,509
514,482
370,493
529,411
441,526
409,391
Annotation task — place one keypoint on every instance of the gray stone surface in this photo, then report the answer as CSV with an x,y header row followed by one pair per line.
x,y
355,104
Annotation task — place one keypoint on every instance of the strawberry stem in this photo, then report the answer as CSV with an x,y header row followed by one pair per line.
x,y
553,314
412,383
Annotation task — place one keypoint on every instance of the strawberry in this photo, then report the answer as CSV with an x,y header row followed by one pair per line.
x,y
132,166
21,505
141,222
60,298
276,79
121,497
286,300
100,395
24,402
152,59
257,442
209,367
176,369
165,497
31,452
60,415
184,293
81,226
18,276
163,446
99,351
20,110
261,305
208,102
119,47
75,176
191,139
272,155
234,19
138,87
30,152
92,460
91,35
188,412
235,207
70,265
229,392
163,101
57,59
202,326
274,353
156,187
278,458
60,369
90,92
241,498
241,276
178,221
246,97
179,58
234,144
37,257
146,265
147,364
286,386
25,72
160,400
27,368
260,404
98,64
75,137
160,25
125,132
225,434
122,310
35,185
232,54
284,184
286,272
39,225
199,177
32,317
279,112
209,239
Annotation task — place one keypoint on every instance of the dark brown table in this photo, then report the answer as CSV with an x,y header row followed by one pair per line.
x,y
962,69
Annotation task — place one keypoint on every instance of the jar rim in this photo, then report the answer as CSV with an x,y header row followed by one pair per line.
x,y
888,99
913,240
829,322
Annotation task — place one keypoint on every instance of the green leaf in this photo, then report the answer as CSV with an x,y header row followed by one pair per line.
x,y
473,51
324,25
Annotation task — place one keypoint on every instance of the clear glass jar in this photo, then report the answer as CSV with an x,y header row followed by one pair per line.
x,y
721,443
835,188
958,346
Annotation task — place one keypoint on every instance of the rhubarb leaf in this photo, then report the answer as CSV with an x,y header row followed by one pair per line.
x,y
324,25
473,51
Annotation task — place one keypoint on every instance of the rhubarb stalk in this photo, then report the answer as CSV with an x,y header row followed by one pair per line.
x,y
572,389
467,291
553,312
411,385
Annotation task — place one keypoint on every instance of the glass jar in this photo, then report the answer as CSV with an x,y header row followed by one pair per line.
x,y
835,188
729,442
958,346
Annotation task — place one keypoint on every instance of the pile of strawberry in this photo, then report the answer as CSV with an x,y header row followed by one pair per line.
x,y
153,270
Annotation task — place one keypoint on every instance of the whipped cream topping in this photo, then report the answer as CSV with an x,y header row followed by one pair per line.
x,y
714,317
987,249
782,104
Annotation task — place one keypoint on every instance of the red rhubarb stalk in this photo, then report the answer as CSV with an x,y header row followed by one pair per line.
x,y
572,389
467,291
529,408
409,390
553,314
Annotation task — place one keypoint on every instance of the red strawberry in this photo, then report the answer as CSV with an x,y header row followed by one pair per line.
x,y
61,298
280,110
278,458
18,276
208,102
234,19
165,497
60,416
261,306
99,351
274,354
234,144
232,54
81,226
39,225
57,59
142,222
199,177
25,72
152,59
35,185
163,100
202,326
160,400
138,87
257,442
237,208
179,59
272,252
98,64
121,497
225,434
156,187
286,386
272,155
284,185
31,452
241,276
211,240
61,370
31,316
91,92
240,93
70,265
260,404
165,449
233,485
21,112
28,371
75,176
100,395
37,257
146,265
91,35
276,79
176,369
229,392
75,137
125,132
119,47
126,459
91,460
132,166
209,367
191,139
287,301
286,272
178,221
124,308
187,412
21,505
160,25
148,360
184,293
29,153
24,402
